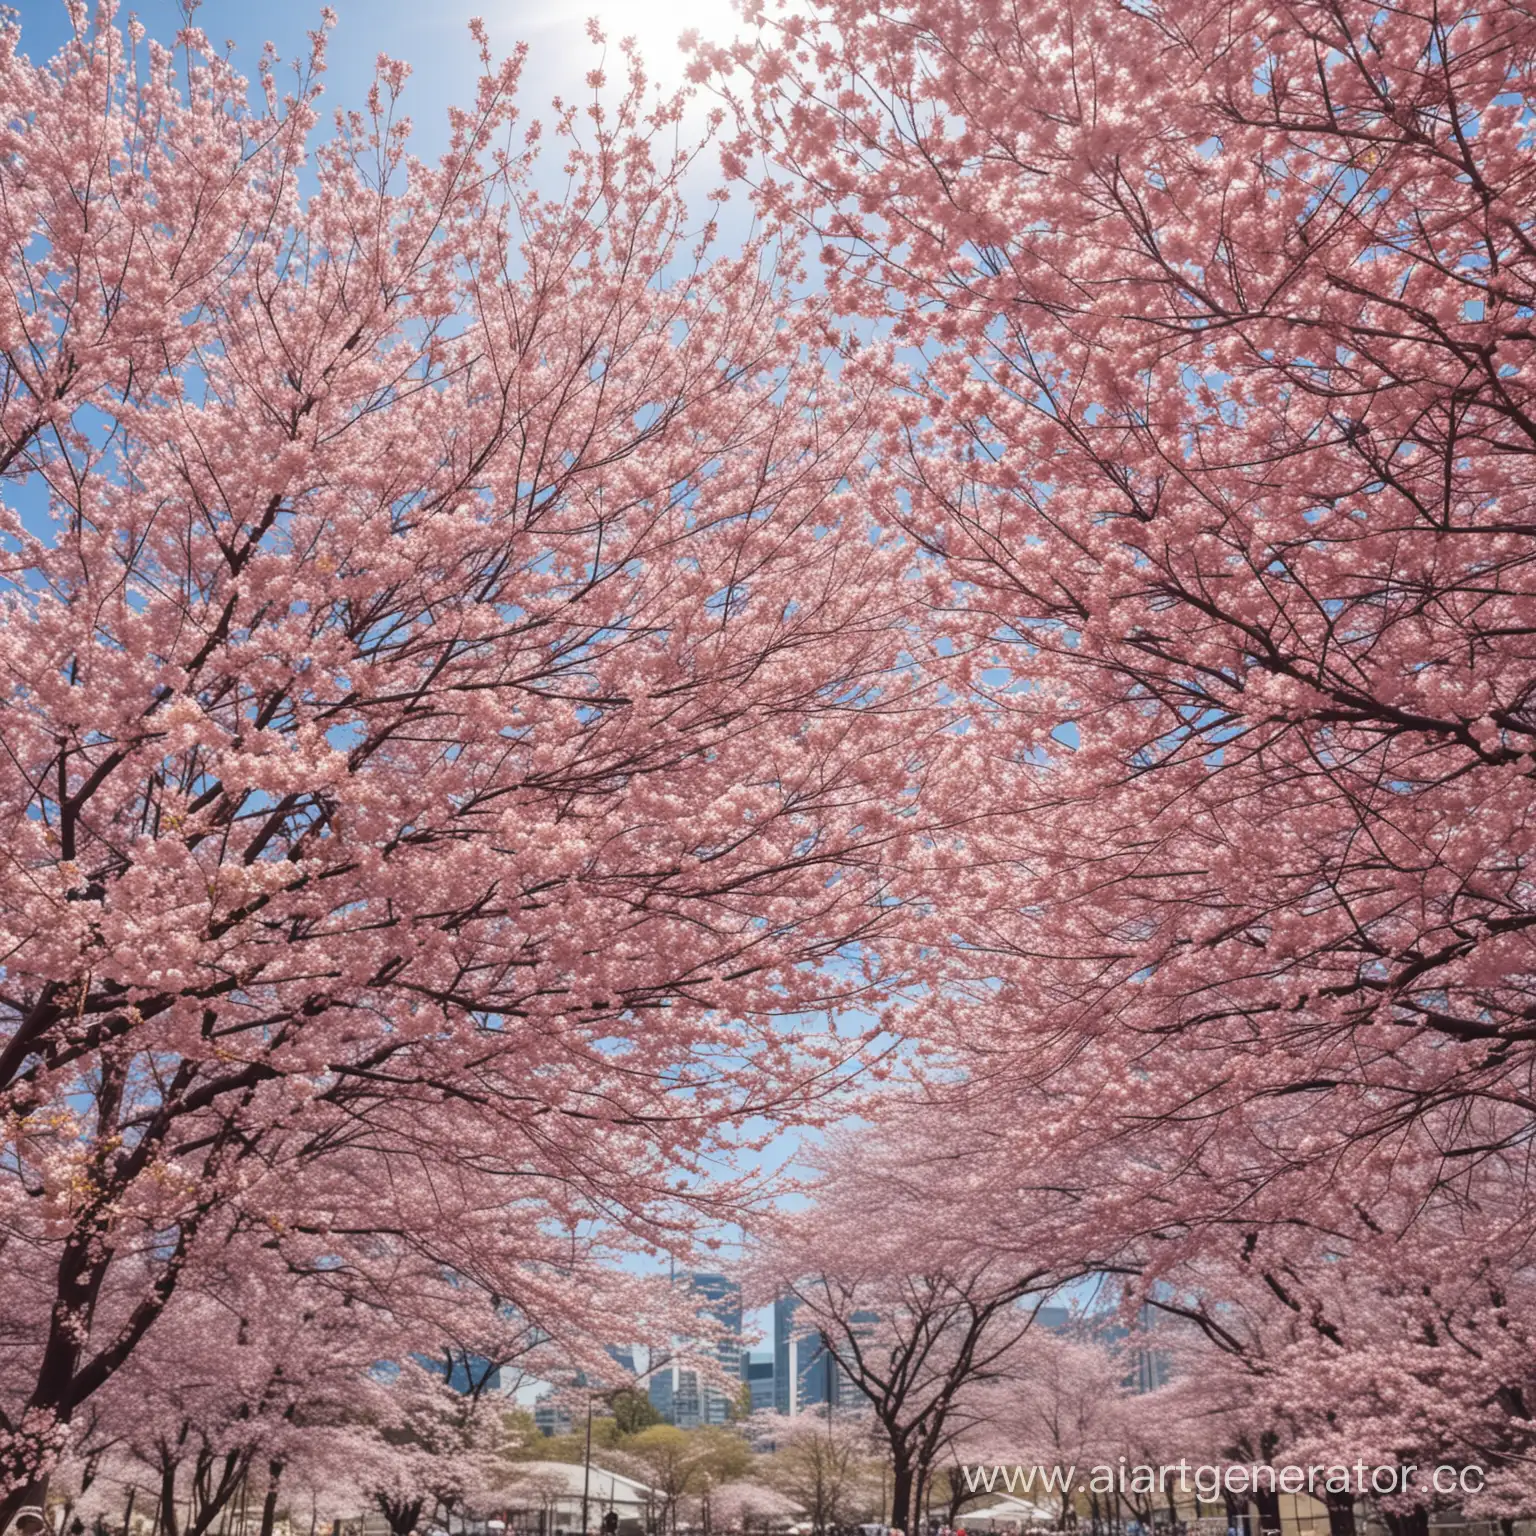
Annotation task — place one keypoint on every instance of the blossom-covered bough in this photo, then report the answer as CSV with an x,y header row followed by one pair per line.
x,y
1209,333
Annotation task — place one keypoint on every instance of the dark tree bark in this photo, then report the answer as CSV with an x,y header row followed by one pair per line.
x,y
1341,1514
269,1504
901,1493
167,1520
1414,1523
402,1514
1268,1504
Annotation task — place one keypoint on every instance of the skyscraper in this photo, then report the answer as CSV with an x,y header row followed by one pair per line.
x,y
783,1354
757,1371
677,1392
722,1303
804,1374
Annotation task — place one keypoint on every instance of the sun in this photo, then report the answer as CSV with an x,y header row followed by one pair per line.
x,y
656,25
562,49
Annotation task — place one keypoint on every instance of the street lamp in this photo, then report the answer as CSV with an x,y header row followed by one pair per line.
x,y
586,1466
607,1394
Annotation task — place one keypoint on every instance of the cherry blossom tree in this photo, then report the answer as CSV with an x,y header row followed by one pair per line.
x,y
916,1316
820,1463
1063,1410
742,1505
418,1446
1207,331
1380,1321
458,715
223,1394
680,1465
1333,1342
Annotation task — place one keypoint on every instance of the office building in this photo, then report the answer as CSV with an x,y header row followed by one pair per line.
x,y
555,1413
681,1394
757,1372
804,1374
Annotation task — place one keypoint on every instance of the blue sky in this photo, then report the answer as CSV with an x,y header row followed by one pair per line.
x,y
432,35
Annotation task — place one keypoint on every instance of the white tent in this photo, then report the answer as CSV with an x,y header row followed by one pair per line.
x,y
1021,1513
546,1495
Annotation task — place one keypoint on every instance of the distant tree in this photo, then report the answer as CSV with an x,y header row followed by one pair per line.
x,y
917,1329
819,1462
745,1506
681,1463
418,1447
633,1411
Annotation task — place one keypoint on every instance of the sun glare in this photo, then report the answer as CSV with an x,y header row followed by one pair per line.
x,y
562,49
656,25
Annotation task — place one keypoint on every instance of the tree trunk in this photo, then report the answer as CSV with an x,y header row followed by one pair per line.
x,y
1268,1503
167,1525
901,1496
216,1498
269,1504
1414,1523
920,1496
402,1514
958,1494
1341,1514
